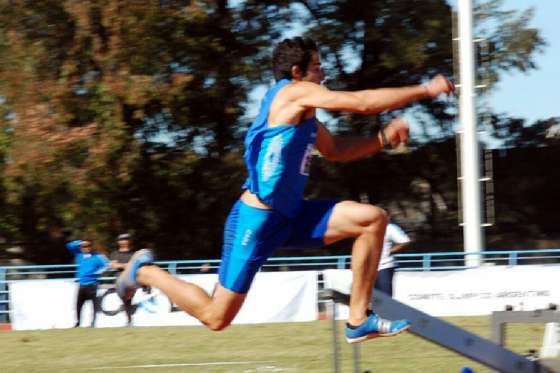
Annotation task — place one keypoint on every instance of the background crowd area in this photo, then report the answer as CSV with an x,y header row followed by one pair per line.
x,y
112,119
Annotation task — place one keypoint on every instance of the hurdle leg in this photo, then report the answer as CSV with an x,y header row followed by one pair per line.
x,y
356,354
450,336
335,349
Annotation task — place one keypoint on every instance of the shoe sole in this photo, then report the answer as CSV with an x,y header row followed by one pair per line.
x,y
375,335
125,275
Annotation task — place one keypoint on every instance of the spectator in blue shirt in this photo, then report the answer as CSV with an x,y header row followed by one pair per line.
x,y
90,265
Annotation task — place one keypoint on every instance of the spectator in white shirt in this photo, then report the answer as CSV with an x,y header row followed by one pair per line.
x,y
395,240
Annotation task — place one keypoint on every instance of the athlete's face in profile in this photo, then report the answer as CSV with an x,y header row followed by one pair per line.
x,y
314,71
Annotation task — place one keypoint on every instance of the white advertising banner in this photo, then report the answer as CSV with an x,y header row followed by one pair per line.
x,y
42,304
340,280
471,292
480,291
274,297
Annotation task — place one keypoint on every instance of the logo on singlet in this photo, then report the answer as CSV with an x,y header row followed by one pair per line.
x,y
247,237
272,157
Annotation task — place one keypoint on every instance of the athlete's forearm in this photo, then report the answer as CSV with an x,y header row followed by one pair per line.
x,y
382,99
348,149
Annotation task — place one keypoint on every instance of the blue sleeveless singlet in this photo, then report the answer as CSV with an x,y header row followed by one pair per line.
x,y
278,158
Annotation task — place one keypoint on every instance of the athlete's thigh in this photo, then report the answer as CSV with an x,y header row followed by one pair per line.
x,y
349,218
310,225
251,236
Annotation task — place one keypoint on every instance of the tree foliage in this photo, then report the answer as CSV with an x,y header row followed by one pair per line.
x,y
103,90
128,115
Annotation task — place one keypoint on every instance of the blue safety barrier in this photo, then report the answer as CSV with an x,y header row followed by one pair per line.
x,y
406,262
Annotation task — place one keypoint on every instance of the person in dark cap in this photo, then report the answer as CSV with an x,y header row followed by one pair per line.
x,y
119,258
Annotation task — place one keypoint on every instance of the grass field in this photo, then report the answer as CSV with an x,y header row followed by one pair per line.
x,y
291,347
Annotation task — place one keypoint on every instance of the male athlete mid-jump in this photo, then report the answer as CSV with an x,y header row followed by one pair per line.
x,y
271,212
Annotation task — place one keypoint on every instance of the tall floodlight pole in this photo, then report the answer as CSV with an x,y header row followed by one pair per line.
x,y
472,228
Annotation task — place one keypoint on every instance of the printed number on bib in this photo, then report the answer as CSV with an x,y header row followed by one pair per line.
x,y
306,161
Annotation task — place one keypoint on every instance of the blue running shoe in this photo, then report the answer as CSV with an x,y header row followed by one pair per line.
x,y
374,327
127,284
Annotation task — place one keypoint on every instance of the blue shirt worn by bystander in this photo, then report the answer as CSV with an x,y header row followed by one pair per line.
x,y
90,265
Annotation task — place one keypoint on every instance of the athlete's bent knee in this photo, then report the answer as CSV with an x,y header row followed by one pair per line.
x,y
218,324
376,218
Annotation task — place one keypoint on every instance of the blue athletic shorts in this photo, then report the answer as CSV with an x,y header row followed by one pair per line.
x,y
251,236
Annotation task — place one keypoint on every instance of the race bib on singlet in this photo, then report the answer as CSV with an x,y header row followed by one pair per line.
x,y
306,160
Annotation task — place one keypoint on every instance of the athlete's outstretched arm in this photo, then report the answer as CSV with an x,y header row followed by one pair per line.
x,y
372,101
345,149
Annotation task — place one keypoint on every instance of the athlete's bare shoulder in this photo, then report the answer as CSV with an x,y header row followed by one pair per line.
x,y
299,89
296,90
310,95
286,106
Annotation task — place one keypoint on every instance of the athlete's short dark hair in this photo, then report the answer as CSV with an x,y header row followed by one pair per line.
x,y
289,52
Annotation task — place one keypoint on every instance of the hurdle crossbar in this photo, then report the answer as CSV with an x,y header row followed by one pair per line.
x,y
446,334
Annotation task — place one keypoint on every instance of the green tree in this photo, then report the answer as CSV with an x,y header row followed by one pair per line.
x,y
103,91
395,43
128,115
517,133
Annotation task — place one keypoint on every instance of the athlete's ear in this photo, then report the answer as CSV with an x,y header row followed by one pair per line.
x,y
296,73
